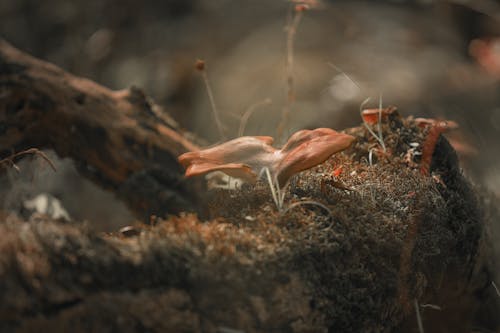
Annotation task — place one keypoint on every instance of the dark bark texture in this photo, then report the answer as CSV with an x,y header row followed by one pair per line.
x,y
120,139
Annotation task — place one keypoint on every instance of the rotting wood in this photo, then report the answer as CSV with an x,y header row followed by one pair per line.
x,y
120,139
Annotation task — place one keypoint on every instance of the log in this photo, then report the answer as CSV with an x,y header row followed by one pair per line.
x,y
119,139
386,242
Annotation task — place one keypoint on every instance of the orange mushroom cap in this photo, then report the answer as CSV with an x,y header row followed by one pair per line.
x,y
246,156
370,116
308,148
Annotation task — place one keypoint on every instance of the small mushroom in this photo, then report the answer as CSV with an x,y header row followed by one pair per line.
x,y
246,156
371,116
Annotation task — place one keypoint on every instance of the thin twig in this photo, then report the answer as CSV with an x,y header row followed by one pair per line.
x,y
338,69
431,306
10,159
307,202
379,139
496,288
419,318
293,22
214,107
251,109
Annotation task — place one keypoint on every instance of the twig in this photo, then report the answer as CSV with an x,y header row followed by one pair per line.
x,y
200,65
496,288
34,151
251,109
293,20
338,69
431,306
419,318
307,202
486,7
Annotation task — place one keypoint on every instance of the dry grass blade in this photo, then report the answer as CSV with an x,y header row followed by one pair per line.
x,y
419,318
496,288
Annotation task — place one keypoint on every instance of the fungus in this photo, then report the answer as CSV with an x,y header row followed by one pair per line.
x,y
246,157
242,158
436,128
371,116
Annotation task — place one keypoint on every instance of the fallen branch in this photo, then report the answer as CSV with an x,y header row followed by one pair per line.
x,y
119,139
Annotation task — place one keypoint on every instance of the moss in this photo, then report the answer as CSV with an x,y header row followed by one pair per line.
x,y
392,235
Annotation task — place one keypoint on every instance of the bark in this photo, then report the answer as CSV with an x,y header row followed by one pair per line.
x,y
120,139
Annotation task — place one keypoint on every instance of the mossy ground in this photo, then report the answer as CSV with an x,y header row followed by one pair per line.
x,y
391,236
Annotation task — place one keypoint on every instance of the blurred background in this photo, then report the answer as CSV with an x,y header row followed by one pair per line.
x,y
437,59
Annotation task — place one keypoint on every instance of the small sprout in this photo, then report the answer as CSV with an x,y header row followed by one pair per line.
x,y
9,160
496,288
201,66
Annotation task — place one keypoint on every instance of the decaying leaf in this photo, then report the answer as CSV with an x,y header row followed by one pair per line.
x,y
245,157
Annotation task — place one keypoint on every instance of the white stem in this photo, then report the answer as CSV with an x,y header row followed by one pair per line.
x,y
379,125
419,318
214,107
496,289
271,186
379,139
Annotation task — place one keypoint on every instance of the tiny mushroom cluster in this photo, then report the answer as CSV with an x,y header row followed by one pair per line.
x,y
247,156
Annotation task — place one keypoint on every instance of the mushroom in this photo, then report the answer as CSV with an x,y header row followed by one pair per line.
x,y
245,157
